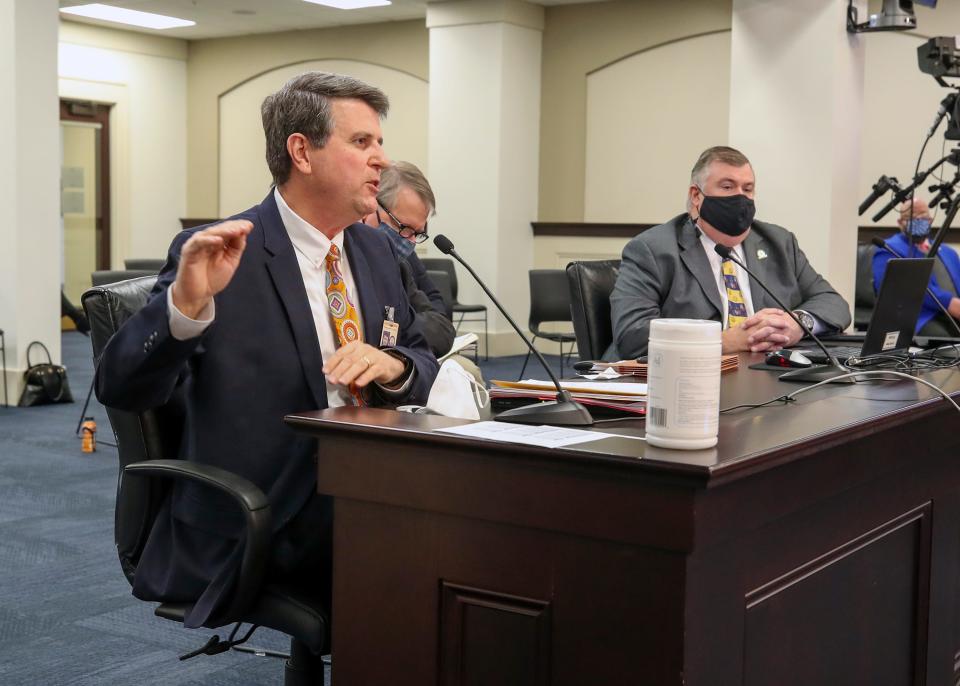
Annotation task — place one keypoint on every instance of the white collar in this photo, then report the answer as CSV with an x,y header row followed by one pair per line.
x,y
709,244
307,240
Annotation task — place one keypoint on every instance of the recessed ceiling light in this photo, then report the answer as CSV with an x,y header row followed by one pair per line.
x,y
147,20
351,4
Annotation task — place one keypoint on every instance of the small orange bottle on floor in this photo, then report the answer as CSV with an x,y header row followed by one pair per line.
x,y
89,431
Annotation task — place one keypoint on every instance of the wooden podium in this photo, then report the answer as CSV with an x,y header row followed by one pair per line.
x,y
818,544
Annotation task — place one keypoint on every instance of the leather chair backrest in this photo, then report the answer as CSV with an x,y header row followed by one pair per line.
x,y
591,283
149,435
443,264
150,264
549,298
865,298
441,280
103,277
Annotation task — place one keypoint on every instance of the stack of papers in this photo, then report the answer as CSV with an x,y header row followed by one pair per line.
x,y
628,397
639,369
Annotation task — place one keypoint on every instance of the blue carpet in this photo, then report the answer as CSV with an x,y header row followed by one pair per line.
x,y
66,613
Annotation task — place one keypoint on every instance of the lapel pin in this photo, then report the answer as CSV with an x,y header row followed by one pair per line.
x,y
761,254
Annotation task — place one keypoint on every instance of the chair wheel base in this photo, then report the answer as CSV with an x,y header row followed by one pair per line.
x,y
293,675
303,668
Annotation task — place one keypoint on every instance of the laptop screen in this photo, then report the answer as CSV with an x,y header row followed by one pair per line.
x,y
898,306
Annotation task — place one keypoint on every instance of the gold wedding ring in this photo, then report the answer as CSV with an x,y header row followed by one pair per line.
x,y
367,360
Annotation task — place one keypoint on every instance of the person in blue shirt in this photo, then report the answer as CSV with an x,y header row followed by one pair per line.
x,y
913,241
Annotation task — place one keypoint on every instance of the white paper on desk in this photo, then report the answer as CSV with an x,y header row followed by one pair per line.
x,y
543,436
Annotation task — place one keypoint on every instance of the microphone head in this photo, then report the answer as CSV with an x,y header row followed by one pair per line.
x,y
444,243
879,242
721,250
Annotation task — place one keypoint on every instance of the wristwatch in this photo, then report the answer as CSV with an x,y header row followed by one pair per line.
x,y
806,319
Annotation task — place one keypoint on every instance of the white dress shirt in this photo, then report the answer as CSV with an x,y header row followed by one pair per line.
x,y
716,267
311,248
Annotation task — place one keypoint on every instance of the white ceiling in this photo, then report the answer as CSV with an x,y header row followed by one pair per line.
x,y
220,18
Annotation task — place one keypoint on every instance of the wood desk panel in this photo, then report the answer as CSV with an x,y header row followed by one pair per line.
x,y
817,544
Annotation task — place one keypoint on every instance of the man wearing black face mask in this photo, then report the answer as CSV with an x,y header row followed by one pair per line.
x,y
912,241
673,271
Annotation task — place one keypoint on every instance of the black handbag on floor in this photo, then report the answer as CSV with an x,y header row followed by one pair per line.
x,y
44,383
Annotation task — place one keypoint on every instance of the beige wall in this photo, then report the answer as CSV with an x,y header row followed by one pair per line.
x,y
217,66
639,154
144,79
579,39
244,177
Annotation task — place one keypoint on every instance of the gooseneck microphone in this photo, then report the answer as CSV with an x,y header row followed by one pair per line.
x,y
882,244
564,411
821,373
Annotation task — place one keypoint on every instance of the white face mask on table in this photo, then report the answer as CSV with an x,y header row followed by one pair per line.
x,y
456,393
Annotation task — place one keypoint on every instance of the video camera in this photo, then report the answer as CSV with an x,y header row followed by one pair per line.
x,y
940,58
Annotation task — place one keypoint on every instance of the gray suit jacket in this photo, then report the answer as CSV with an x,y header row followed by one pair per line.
x,y
665,273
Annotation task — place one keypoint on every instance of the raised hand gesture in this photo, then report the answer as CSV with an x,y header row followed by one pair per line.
x,y
208,260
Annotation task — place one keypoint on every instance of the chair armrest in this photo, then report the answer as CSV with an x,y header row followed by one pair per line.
x,y
256,513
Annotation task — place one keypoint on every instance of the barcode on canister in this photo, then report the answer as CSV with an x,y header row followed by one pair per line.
x,y
657,416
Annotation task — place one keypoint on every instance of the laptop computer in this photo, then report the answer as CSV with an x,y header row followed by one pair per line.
x,y
893,320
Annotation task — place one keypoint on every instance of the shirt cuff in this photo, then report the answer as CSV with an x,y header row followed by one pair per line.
x,y
181,326
397,393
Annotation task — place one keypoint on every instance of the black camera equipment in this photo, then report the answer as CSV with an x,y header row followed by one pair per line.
x,y
940,58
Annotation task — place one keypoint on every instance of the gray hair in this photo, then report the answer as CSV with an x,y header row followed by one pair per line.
x,y
718,153
303,106
405,174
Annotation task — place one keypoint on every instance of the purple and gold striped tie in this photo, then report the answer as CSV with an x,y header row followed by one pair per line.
x,y
344,314
736,309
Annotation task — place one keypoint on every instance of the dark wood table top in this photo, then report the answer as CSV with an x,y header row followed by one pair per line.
x,y
750,440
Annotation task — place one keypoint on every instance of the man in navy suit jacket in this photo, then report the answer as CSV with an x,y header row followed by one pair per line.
x,y
240,320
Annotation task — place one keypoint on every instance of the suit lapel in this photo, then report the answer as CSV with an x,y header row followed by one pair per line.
x,y
371,310
696,262
753,248
284,270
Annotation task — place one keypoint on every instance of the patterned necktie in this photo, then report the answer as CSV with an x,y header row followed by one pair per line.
x,y
736,309
342,311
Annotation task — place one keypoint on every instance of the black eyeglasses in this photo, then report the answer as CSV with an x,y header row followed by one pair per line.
x,y
405,230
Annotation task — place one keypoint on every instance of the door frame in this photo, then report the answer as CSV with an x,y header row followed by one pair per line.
x,y
90,112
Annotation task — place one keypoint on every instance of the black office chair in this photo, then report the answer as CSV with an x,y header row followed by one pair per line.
x,y
549,302
445,264
591,284
865,298
105,276
102,278
441,280
143,441
147,264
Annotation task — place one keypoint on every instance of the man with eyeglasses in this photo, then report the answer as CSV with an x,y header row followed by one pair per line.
x,y
405,201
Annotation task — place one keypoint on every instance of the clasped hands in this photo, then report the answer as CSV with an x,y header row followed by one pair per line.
x,y
765,330
208,261
360,363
